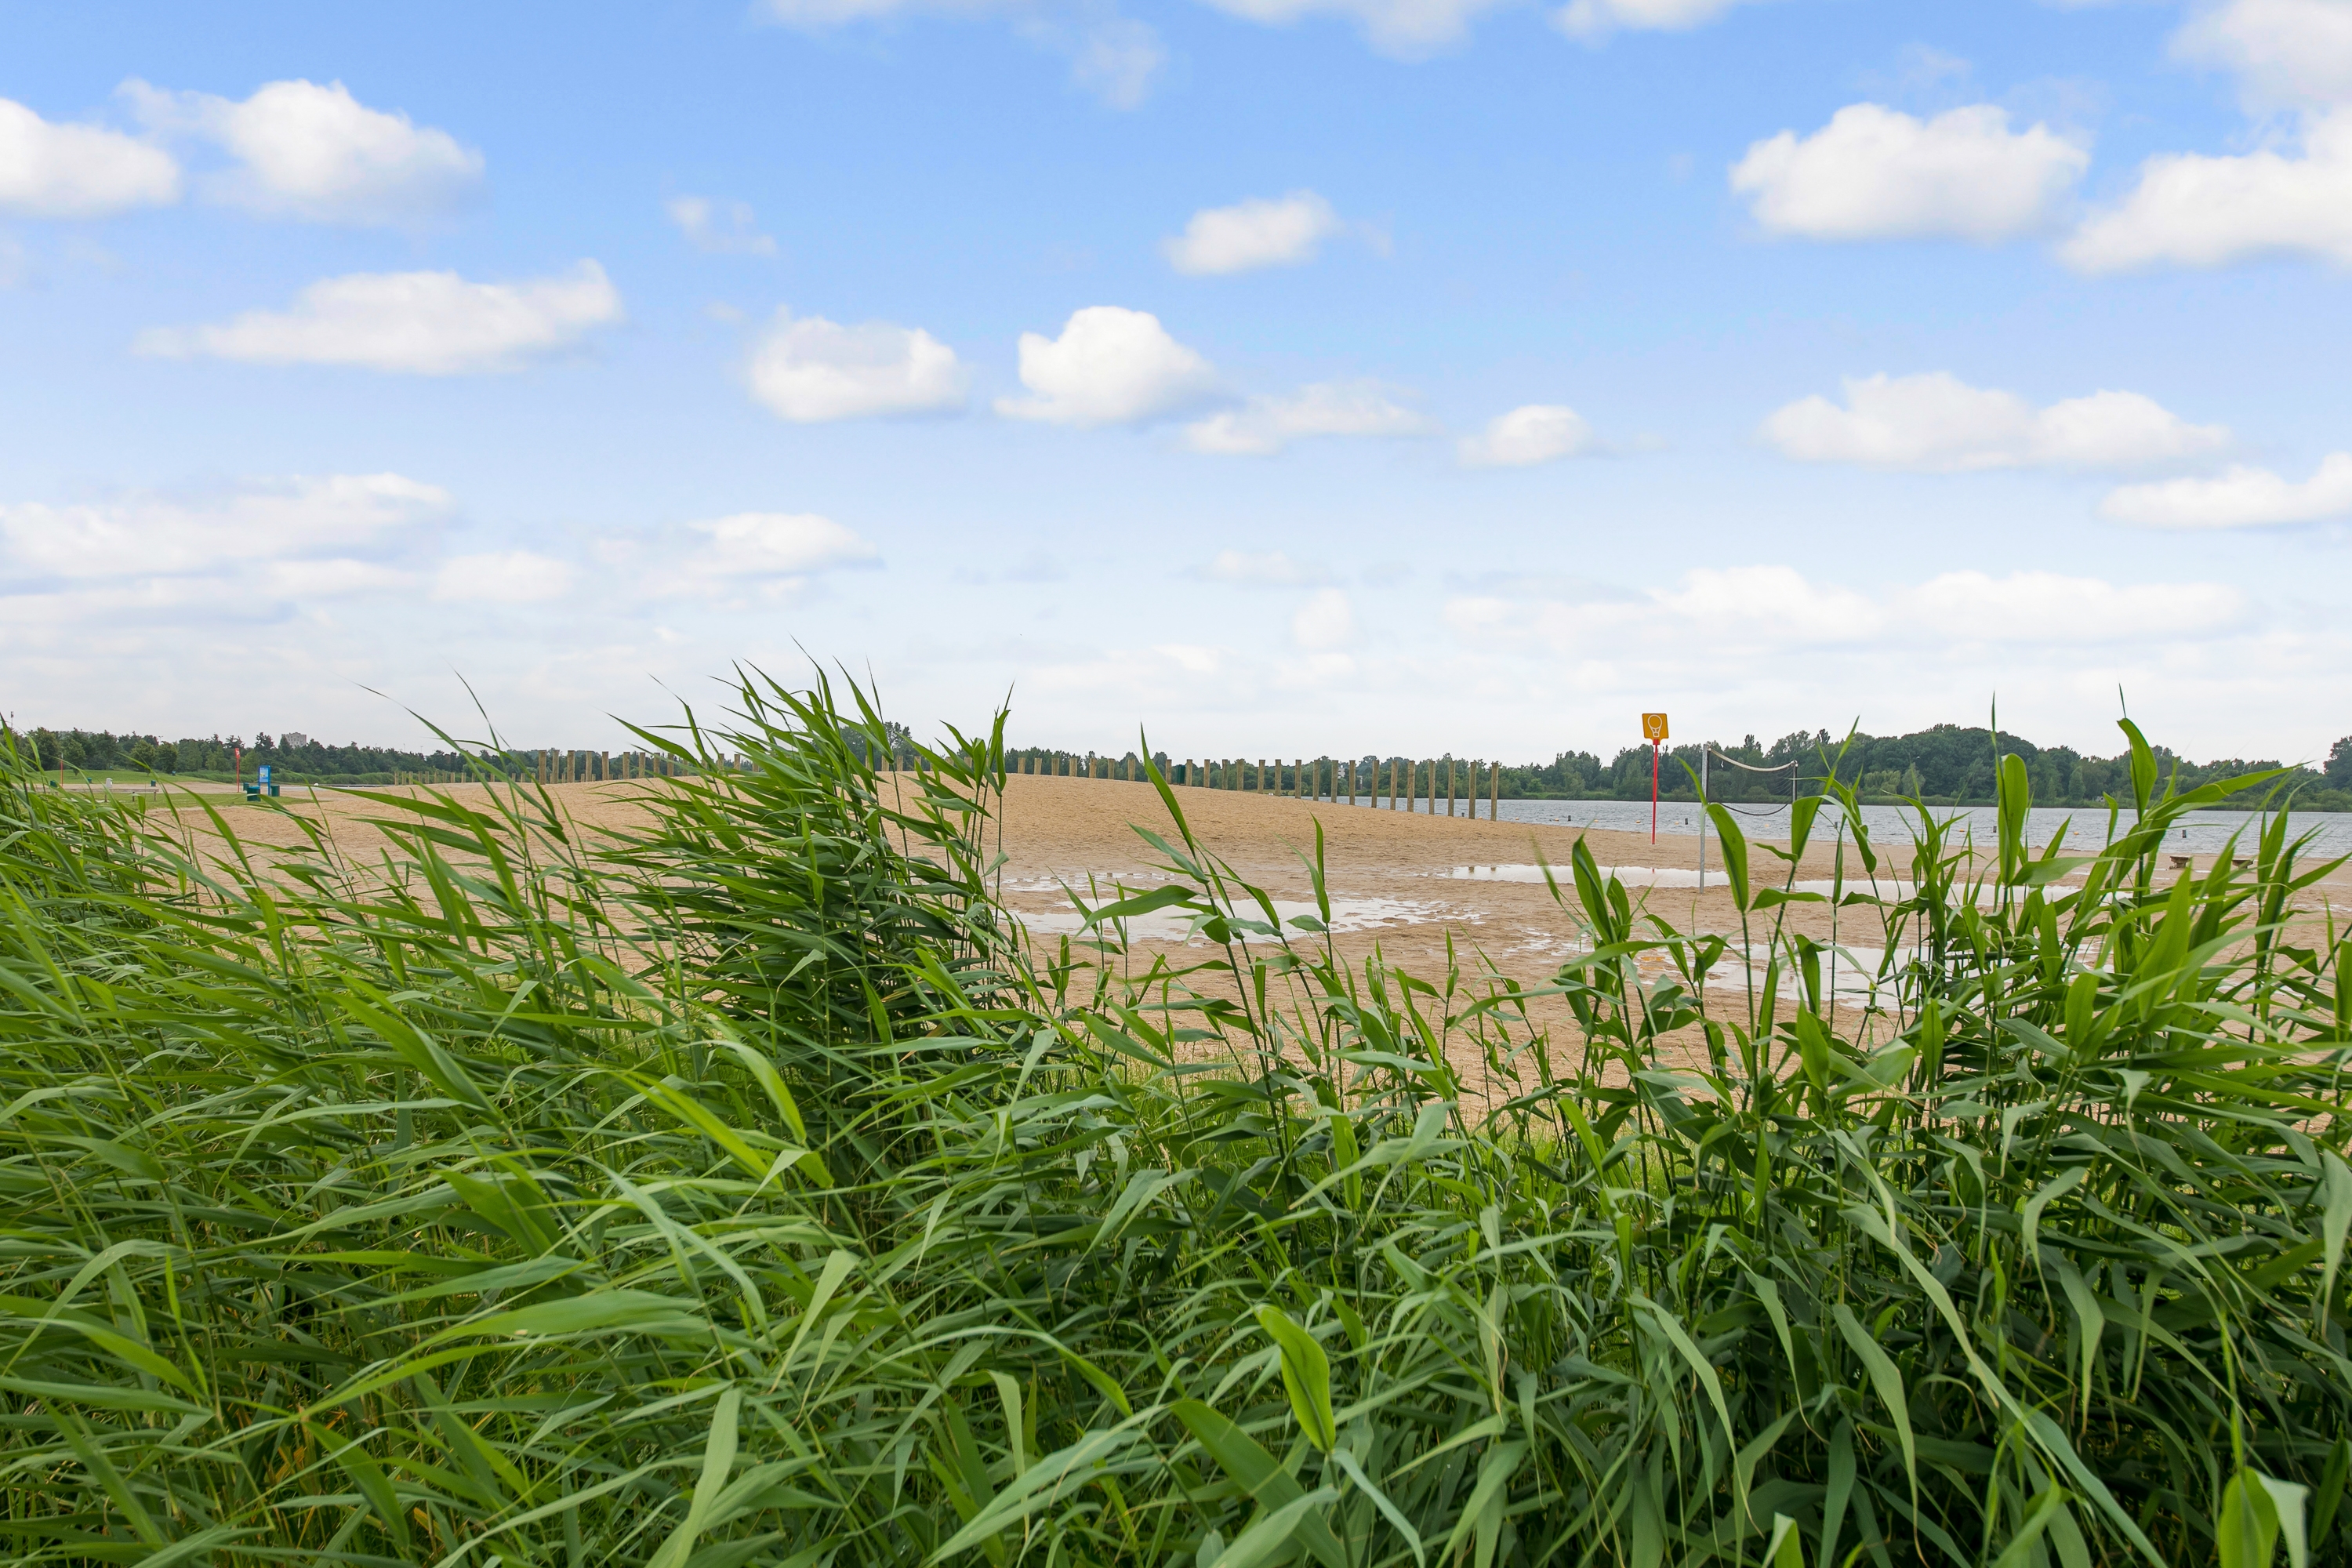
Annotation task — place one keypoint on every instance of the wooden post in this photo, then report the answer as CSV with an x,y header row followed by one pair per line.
x,y
1494,788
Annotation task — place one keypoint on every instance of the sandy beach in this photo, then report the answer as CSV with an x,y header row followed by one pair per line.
x,y
1417,890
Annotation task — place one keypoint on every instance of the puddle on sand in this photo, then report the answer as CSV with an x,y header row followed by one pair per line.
x,y
1176,926
1679,876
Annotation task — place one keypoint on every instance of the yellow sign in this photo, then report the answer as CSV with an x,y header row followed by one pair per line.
x,y
1654,726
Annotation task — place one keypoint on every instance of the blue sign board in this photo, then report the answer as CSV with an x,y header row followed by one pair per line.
x,y
265,773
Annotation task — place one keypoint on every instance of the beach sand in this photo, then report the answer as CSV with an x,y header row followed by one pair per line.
x,y
1422,893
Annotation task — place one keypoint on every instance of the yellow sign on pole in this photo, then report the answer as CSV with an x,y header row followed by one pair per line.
x,y
1654,726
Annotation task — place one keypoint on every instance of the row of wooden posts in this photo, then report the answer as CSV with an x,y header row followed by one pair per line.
x,y
573,767
1406,785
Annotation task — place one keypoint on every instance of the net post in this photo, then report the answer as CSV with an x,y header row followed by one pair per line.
x,y
1702,750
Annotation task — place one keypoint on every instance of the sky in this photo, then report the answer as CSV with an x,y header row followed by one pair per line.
x,y
1270,376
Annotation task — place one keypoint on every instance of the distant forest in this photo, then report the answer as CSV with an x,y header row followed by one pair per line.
x,y
1948,764
300,762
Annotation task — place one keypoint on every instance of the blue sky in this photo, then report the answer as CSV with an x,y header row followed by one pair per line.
x,y
1284,375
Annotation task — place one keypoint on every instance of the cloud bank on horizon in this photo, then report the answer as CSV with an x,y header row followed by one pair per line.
x,y
1501,373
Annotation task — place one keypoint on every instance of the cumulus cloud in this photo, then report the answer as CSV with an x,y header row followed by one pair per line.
x,y
1110,367
2282,52
1713,613
765,549
1407,29
1593,20
2241,497
810,370
330,579
49,170
153,535
1938,423
1252,234
1533,433
1325,623
305,151
1775,604
2289,195
2193,210
503,577
1264,426
1874,173
1272,569
2045,607
417,323
726,230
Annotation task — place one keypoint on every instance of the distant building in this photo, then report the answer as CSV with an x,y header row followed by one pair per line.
x,y
293,738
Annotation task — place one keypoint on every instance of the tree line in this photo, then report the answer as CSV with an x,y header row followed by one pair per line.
x,y
217,757
1944,765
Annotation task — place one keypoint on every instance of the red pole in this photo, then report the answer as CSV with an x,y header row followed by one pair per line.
x,y
236,765
1653,792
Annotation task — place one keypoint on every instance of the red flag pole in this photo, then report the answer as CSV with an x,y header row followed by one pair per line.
x,y
1653,792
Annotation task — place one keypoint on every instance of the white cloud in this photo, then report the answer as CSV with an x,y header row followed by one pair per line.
x,y
1712,614
698,217
1533,433
751,548
2284,52
811,370
1117,59
1405,28
1744,604
1274,569
1266,426
2197,211
1110,367
1593,20
330,579
2044,607
1876,173
1938,423
149,535
305,151
1325,623
419,323
503,577
1254,234
48,170
2241,497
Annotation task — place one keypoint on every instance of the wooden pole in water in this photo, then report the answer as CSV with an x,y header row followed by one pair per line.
x,y
1494,788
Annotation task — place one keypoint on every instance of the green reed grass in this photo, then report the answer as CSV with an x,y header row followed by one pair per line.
x,y
740,1191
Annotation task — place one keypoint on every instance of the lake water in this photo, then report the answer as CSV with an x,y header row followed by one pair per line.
x,y
2200,832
